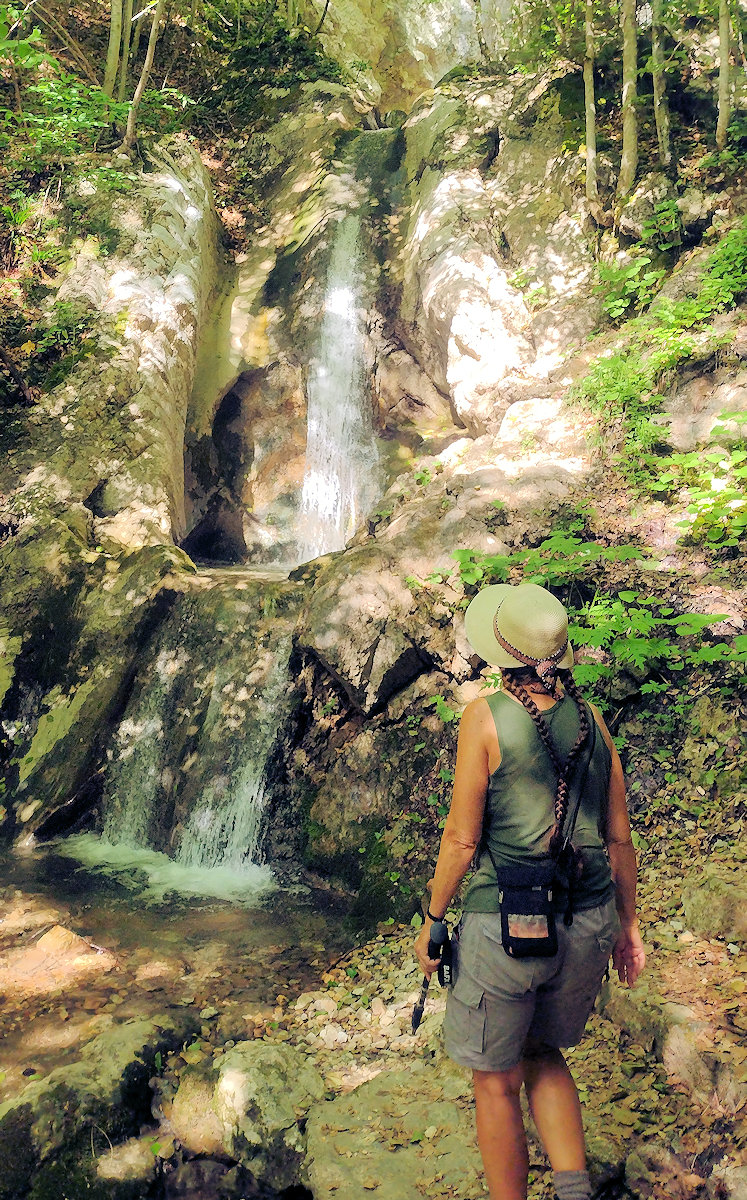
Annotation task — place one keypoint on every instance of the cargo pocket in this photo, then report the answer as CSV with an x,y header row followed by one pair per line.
x,y
607,935
464,1025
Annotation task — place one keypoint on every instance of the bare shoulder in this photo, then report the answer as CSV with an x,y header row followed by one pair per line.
x,y
477,712
602,725
477,722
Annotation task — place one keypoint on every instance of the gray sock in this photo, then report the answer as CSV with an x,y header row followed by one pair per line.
x,y
572,1185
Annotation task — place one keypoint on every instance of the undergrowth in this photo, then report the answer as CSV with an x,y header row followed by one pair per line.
x,y
624,389
627,633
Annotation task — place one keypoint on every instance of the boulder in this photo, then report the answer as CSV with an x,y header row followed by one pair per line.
x,y
106,1087
357,624
678,1037
401,1134
249,1104
640,207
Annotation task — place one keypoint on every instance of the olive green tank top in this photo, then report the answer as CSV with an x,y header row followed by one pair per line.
x,y
519,807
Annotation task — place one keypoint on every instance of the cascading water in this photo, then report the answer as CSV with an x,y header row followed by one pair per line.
x,y
223,829
341,478
188,772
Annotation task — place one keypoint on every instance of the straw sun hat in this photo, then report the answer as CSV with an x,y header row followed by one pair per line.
x,y
519,626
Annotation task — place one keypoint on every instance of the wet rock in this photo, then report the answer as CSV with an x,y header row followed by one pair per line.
x,y
54,963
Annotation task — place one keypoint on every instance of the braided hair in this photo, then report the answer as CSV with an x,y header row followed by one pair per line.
x,y
517,681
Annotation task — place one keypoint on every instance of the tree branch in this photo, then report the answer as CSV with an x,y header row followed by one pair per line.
x,y
15,375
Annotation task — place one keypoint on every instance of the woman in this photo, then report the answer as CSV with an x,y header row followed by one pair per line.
x,y
528,761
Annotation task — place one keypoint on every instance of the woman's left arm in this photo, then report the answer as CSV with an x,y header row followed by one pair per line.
x,y
463,828
629,955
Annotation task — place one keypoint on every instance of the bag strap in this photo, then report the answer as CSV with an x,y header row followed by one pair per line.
x,y
582,785
568,915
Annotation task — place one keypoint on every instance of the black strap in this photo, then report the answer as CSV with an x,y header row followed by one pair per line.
x,y
568,916
582,785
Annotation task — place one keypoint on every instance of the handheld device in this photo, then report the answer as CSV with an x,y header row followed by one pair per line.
x,y
438,947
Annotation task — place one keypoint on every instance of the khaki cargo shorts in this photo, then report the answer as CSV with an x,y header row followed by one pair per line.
x,y
499,1005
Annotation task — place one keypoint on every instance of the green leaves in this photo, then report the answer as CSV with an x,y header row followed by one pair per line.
x,y
443,710
715,487
557,560
630,288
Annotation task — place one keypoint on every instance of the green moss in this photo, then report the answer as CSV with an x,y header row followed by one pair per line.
x,y
55,725
16,1153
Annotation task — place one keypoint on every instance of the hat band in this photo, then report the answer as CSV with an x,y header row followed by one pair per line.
x,y
546,667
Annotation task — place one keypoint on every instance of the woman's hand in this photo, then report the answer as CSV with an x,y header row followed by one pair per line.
x,y
428,965
629,956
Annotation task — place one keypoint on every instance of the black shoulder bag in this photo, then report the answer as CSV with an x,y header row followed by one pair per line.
x,y
528,928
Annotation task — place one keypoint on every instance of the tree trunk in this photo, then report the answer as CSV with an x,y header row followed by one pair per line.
x,y
126,38
112,53
661,106
129,137
322,19
592,192
480,32
629,157
137,34
724,47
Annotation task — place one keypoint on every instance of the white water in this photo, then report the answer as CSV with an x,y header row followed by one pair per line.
x,y
153,876
340,483
218,805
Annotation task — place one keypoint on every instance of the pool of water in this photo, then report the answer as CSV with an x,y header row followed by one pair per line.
x,y
153,938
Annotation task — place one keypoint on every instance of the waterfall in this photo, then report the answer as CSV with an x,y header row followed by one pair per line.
x,y
188,771
341,478
224,827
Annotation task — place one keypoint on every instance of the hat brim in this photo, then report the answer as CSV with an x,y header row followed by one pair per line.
x,y
478,627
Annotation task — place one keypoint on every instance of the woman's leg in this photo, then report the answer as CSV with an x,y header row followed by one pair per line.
x,y
500,1132
556,1109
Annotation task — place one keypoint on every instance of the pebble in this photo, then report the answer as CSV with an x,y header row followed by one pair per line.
x,y
326,1004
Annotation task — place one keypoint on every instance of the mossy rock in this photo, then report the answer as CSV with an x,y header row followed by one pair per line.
x,y
45,1132
716,904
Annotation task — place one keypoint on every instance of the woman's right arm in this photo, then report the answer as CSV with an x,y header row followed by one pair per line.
x,y
463,828
628,956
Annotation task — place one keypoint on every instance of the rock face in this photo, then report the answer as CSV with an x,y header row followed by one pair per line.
x,y
94,484
491,256
401,52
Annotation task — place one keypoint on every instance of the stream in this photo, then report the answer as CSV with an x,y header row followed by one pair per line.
x,y
161,948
